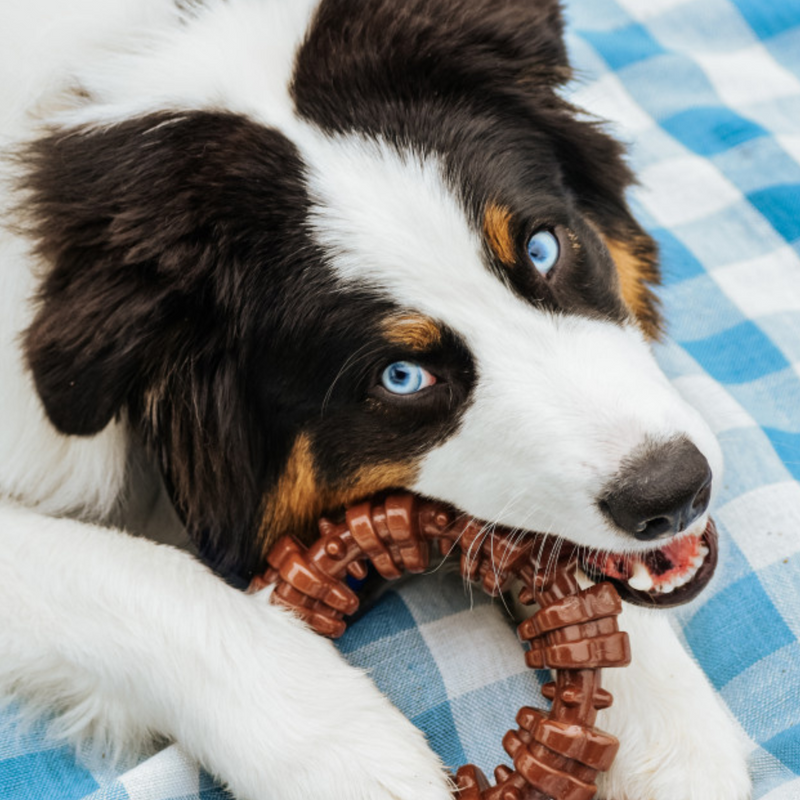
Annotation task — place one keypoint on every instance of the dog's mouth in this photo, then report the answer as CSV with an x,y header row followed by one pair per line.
x,y
669,576
662,577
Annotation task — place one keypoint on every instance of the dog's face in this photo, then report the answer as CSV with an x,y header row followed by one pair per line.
x,y
415,269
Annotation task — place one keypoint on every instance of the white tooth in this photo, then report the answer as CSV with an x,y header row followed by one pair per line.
x,y
641,580
677,581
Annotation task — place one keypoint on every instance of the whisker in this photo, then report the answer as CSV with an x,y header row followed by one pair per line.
x,y
349,362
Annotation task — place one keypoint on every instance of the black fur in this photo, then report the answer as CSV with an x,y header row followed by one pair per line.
x,y
186,288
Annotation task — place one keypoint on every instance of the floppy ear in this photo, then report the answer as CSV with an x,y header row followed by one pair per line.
x,y
163,239
417,50
89,344
140,226
499,43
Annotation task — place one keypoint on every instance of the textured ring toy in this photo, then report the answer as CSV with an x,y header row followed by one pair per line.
x,y
557,753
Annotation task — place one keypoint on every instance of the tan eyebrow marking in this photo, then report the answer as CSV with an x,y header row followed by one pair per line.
x,y
412,330
635,261
497,229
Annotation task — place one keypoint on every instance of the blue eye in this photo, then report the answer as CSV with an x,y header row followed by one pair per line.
x,y
406,377
544,250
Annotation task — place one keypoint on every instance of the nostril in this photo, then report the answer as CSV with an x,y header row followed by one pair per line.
x,y
654,528
701,500
660,491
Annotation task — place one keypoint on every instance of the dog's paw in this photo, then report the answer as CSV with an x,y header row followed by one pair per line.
x,y
676,740
374,756
694,758
289,719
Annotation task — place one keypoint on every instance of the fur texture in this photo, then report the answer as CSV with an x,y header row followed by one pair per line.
x,y
225,220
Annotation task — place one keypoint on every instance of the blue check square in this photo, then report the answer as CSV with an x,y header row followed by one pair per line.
x,y
735,629
623,46
209,790
678,263
403,667
387,617
768,17
786,748
737,355
781,206
711,130
440,729
787,446
54,773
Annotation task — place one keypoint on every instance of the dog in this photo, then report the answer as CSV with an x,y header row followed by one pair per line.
x,y
264,258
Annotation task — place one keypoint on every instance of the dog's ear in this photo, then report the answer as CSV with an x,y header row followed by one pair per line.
x,y
143,230
91,340
397,56
502,43
498,42
161,240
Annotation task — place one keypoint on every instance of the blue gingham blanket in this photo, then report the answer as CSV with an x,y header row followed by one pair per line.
x,y
707,93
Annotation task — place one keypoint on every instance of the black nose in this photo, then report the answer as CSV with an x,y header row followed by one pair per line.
x,y
661,491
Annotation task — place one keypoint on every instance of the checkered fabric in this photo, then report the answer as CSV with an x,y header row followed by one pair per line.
x,y
707,93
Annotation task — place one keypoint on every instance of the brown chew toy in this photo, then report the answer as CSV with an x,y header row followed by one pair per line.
x,y
556,754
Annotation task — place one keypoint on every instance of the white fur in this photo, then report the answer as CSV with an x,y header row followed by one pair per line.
x,y
677,742
130,638
560,401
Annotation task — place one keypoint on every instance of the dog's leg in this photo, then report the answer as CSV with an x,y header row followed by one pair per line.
x,y
677,743
128,639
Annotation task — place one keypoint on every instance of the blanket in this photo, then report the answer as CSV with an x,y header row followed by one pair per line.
x,y
707,95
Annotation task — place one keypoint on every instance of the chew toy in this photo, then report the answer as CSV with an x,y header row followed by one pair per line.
x,y
557,753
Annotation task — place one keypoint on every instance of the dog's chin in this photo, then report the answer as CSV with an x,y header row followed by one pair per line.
x,y
662,577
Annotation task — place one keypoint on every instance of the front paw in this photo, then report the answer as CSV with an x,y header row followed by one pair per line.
x,y
676,740
694,758
376,756
286,718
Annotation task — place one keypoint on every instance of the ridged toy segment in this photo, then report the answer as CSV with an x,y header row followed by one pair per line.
x,y
557,753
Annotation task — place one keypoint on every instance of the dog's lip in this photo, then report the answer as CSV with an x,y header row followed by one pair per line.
x,y
655,599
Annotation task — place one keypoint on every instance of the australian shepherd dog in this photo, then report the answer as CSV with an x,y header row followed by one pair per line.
x,y
263,258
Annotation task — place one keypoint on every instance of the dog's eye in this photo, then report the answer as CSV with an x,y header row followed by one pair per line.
x,y
544,250
406,377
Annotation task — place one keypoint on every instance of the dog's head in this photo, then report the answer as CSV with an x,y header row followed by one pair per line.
x,y
314,256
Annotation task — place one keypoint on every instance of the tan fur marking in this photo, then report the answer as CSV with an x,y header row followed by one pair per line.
x,y
300,498
497,228
636,266
416,332
296,498
374,478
